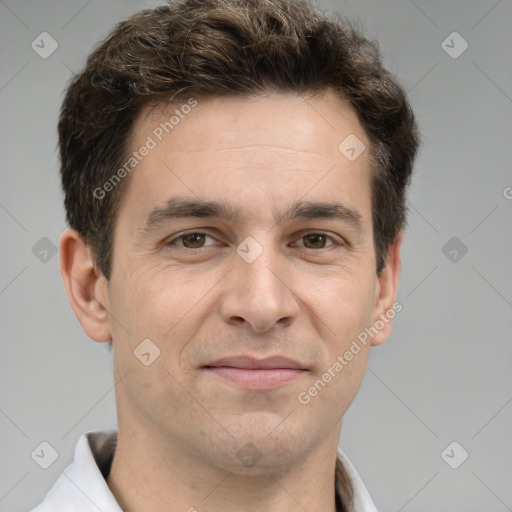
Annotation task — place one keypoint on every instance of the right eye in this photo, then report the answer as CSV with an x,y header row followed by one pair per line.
x,y
191,240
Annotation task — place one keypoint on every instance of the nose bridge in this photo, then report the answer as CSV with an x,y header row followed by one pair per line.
x,y
258,292
259,268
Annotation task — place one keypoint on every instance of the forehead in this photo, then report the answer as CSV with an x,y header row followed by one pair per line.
x,y
312,123
246,151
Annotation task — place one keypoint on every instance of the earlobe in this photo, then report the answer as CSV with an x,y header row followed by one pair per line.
x,y
85,286
385,304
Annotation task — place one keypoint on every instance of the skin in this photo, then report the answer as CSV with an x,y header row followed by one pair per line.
x,y
180,426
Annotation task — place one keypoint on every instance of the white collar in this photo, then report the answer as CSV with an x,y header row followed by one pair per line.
x,y
81,487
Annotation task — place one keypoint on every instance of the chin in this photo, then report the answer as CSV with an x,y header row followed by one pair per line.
x,y
263,441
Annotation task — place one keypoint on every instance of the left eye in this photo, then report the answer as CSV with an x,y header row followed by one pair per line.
x,y
316,241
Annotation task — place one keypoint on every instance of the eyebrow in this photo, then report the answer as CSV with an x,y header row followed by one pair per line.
x,y
176,208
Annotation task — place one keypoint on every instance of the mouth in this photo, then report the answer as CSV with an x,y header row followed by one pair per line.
x,y
253,373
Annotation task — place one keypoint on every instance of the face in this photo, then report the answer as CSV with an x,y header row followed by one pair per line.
x,y
244,252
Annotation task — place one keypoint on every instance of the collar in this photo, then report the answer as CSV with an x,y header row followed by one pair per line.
x,y
82,487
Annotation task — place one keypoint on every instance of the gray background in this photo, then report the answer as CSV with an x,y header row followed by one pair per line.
x,y
444,376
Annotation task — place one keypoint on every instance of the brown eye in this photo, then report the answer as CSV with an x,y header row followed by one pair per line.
x,y
315,241
191,240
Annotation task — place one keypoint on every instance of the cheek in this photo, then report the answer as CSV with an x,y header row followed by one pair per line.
x,y
344,311
162,303
342,303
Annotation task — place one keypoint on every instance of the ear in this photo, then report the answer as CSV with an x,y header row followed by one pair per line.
x,y
387,287
86,287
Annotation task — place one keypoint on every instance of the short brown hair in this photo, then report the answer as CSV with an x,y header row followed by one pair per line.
x,y
205,48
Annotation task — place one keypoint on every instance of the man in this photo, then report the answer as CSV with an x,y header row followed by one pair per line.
x,y
234,176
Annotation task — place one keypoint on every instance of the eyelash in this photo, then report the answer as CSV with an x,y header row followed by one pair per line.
x,y
183,235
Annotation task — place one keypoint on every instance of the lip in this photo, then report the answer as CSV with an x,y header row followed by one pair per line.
x,y
254,373
253,363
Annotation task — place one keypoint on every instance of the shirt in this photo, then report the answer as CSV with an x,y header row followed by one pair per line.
x,y
82,487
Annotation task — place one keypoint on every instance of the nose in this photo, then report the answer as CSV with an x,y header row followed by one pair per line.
x,y
259,294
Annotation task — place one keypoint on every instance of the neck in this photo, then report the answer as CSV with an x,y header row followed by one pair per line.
x,y
149,473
